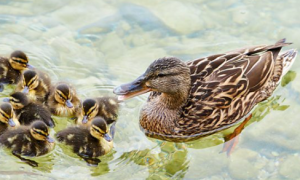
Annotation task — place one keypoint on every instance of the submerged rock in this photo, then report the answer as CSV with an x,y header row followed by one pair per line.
x,y
290,168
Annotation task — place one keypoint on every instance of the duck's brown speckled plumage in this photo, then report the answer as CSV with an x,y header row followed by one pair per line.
x,y
217,92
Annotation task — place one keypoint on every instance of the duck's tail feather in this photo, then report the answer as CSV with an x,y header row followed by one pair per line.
x,y
283,63
288,59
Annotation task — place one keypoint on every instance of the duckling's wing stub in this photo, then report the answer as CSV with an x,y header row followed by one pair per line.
x,y
44,115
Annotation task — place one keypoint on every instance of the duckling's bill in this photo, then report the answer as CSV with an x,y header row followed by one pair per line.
x,y
49,139
30,66
11,122
25,90
69,104
85,119
107,137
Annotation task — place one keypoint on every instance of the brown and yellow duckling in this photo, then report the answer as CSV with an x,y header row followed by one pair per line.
x,y
35,84
8,118
11,68
105,107
33,140
63,100
200,97
89,143
28,111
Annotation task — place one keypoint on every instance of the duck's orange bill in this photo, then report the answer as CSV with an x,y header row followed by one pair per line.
x,y
129,90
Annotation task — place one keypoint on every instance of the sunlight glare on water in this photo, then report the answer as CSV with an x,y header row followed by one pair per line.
x,y
97,45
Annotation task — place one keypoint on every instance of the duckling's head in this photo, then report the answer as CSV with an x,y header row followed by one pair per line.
x,y
19,61
166,75
89,110
18,100
99,130
63,95
7,114
30,80
40,131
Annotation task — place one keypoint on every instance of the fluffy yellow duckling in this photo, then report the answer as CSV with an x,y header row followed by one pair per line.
x,y
63,100
33,140
28,111
11,68
35,84
105,107
88,143
8,118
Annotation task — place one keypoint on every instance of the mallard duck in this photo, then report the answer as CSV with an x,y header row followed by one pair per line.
x,y
11,68
36,84
33,140
105,107
63,100
200,97
28,111
8,118
90,142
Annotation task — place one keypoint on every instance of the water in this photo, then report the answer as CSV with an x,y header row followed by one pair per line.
x,y
97,45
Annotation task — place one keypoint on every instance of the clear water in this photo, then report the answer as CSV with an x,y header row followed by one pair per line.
x,y
97,45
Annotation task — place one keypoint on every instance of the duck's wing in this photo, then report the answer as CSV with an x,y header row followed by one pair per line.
x,y
219,79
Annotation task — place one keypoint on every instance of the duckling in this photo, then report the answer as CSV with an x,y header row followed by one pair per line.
x,y
89,143
105,107
35,84
28,111
11,68
33,140
63,100
8,118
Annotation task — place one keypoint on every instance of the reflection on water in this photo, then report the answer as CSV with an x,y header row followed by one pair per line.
x,y
96,45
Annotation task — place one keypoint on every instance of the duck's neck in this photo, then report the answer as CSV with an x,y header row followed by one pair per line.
x,y
160,114
173,101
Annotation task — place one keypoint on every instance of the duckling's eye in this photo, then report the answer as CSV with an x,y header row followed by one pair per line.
x,y
31,82
61,96
21,62
97,130
37,132
3,114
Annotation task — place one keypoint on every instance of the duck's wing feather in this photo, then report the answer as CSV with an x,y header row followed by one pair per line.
x,y
219,79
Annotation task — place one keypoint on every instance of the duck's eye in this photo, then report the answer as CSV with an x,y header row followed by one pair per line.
x,y
161,75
